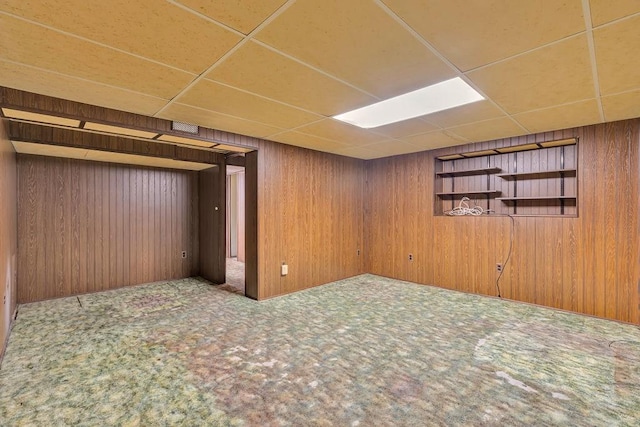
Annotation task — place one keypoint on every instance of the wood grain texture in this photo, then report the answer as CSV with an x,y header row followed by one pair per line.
x,y
309,215
456,176
251,225
8,236
212,199
90,226
586,264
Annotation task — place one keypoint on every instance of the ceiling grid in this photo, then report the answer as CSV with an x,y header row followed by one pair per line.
x,y
281,69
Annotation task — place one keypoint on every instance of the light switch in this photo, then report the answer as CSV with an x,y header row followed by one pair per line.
x,y
284,269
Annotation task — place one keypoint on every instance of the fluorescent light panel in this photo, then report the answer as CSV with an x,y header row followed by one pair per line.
x,y
431,99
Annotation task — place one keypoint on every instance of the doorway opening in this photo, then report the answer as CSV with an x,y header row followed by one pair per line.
x,y
235,252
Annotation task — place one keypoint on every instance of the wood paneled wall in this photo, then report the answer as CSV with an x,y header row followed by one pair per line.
x,y
212,198
587,264
251,225
310,217
8,236
88,226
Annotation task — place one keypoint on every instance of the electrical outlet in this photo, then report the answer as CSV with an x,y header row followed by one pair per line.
x,y
410,257
498,267
284,269
184,254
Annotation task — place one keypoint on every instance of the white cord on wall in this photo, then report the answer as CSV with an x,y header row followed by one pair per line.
x,y
463,208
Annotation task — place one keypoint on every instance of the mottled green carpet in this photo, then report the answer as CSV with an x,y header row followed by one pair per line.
x,y
362,351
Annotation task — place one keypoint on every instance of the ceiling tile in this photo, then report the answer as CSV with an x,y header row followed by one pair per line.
x,y
143,27
341,132
22,77
433,140
617,47
621,106
211,119
227,100
501,127
307,141
344,38
405,128
561,117
393,148
603,11
556,74
257,69
469,113
475,33
242,15
38,46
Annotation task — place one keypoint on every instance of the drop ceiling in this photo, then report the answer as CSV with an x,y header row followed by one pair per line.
x,y
279,70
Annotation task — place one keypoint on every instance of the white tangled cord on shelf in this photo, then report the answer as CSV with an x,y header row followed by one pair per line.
x,y
463,208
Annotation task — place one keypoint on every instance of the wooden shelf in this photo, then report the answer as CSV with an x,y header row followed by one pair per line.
x,y
467,172
539,174
510,149
470,193
514,199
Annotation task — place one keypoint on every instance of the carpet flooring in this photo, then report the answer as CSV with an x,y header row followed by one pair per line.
x,y
365,351
235,275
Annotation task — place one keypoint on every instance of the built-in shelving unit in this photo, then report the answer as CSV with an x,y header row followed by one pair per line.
x,y
534,179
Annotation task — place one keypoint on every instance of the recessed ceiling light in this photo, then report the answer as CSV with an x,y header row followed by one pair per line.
x,y
431,99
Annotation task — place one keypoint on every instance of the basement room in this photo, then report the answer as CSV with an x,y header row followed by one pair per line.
x,y
319,212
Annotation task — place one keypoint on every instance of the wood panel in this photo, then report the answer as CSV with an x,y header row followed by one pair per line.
x,y
212,236
8,236
309,213
90,226
252,258
587,264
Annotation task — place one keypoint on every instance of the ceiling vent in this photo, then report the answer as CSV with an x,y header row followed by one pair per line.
x,y
184,127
